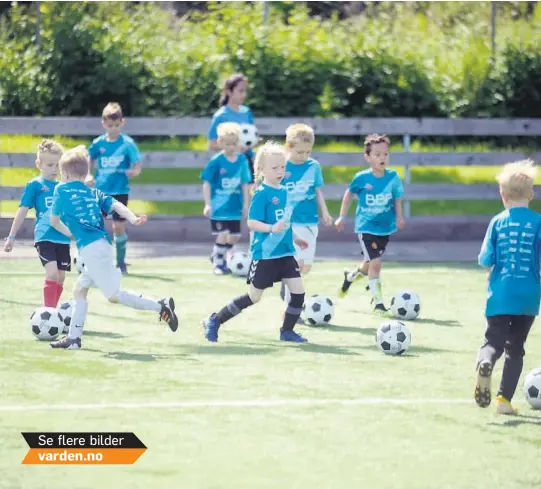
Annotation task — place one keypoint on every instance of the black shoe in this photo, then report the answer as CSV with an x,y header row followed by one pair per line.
x,y
346,284
482,393
167,313
381,310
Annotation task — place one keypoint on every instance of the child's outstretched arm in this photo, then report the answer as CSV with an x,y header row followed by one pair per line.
x,y
15,226
344,208
398,211
124,212
327,218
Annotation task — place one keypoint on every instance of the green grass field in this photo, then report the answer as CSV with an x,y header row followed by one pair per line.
x,y
409,421
338,174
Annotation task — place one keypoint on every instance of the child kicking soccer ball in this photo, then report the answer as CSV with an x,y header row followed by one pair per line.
x,y
511,251
77,212
304,182
226,189
273,252
53,247
379,214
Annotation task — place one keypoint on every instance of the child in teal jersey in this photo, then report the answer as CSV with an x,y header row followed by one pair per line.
x,y
379,214
118,160
53,247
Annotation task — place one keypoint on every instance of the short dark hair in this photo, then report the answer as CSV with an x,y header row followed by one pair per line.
x,y
375,139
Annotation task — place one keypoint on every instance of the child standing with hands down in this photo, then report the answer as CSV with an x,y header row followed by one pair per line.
x,y
379,214
53,247
226,194
272,249
77,213
511,251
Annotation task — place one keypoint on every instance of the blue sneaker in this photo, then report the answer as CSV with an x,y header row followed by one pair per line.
x,y
292,336
123,268
222,270
211,325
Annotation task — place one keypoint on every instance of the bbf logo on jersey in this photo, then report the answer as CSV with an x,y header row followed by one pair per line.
x,y
111,161
378,200
48,202
300,187
230,183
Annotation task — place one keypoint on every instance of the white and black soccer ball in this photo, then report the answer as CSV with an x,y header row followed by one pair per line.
x,y
318,310
405,305
65,310
248,135
46,323
239,263
78,264
532,388
393,338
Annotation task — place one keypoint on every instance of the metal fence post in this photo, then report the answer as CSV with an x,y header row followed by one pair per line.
x,y
406,142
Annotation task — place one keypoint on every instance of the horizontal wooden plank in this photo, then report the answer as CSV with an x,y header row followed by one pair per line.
x,y
194,159
414,192
276,126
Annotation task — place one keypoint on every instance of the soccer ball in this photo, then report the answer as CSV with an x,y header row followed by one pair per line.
x,y
79,265
318,310
248,135
65,311
405,305
46,323
239,263
393,338
532,388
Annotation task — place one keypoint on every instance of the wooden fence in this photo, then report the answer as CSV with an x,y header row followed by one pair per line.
x,y
404,127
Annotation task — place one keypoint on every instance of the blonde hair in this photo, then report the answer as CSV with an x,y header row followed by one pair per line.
x,y
270,148
299,133
375,139
517,179
75,162
48,146
112,111
229,130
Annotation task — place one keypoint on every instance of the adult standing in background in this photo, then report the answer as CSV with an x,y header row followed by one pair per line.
x,y
232,110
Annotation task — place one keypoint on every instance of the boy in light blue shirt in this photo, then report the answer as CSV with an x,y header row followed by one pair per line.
x,y
226,188
379,191
511,251
117,159
77,212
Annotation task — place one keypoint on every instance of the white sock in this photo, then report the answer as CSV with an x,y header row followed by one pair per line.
x,y
287,295
351,276
218,255
136,301
374,286
80,309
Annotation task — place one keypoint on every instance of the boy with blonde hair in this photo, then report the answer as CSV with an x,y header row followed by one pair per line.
x,y
118,160
77,212
379,191
304,182
226,189
511,251
53,247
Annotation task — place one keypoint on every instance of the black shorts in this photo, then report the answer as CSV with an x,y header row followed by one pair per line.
x,y
56,252
373,246
221,227
123,199
265,273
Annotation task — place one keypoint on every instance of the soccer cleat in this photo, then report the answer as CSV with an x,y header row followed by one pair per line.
x,y
167,313
123,268
211,325
482,393
381,310
346,284
67,343
221,270
292,336
503,406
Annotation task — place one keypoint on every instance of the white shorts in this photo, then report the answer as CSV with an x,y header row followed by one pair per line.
x,y
99,269
309,233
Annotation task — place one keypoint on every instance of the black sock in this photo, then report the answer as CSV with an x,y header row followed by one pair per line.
x,y
236,306
293,312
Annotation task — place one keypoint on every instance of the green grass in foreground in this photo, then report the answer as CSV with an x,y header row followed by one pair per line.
x,y
398,440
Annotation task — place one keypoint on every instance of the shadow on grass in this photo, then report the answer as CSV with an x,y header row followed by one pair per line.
x,y
515,421
136,357
150,277
347,329
437,322
228,349
20,303
104,334
327,349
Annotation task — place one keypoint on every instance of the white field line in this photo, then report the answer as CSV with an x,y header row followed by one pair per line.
x,y
256,403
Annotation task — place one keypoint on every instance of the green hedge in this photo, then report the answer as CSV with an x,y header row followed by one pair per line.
x,y
402,62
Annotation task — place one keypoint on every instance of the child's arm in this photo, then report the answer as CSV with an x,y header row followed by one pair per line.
x,y
264,227
15,226
245,199
487,255
124,212
136,165
135,170
398,211
327,218
344,208
206,198
60,226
